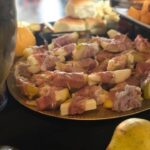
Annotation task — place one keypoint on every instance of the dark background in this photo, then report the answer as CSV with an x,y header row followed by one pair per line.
x,y
28,130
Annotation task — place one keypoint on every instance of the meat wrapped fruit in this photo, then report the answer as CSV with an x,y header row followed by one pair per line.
x,y
76,74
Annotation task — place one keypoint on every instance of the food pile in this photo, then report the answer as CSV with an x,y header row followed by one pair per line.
x,y
76,74
83,15
140,10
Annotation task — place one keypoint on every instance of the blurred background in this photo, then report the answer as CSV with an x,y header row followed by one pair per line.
x,y
40,10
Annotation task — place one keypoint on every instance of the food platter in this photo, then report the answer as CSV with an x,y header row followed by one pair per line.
x,y
123,13
66,74
98,114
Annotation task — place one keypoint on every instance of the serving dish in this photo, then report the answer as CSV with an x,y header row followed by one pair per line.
x,y
130,25
124,13
99,114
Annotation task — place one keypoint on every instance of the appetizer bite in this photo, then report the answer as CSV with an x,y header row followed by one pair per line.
x,y
73,75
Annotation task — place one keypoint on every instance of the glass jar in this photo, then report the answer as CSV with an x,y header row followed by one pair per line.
x,y
7,43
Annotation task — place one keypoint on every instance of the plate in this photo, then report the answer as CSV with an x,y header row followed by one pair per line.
x,y
123,12
98,114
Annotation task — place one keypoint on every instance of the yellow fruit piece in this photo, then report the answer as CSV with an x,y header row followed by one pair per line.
x,y
30,90
138,57
31,103
62,95
24,39
34,27
108,103
146,90
27,52
103,96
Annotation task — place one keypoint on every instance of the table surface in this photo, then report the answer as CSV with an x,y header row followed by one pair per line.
x,y
28,130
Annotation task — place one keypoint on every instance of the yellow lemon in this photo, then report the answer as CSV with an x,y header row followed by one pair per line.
x,y
24,38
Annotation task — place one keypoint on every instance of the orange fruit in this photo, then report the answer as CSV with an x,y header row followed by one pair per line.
x,y
145,13
24,38
133,12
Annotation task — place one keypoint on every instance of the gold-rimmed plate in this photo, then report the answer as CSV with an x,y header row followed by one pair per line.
x,y
99,114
